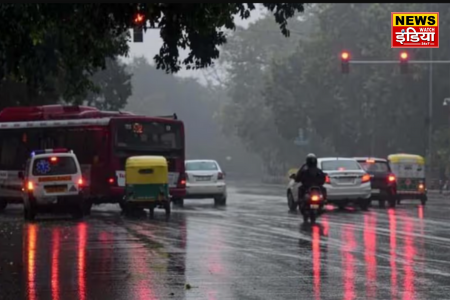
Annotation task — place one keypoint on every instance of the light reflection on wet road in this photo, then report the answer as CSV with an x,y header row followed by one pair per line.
x,y
251,249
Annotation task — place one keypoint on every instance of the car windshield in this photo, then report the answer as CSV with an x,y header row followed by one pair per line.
x,y
375,167
340,165
201,166
48,166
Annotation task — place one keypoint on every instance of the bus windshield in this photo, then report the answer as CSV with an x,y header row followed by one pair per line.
x,y
142,135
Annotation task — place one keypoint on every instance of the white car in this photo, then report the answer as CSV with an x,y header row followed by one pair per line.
x,y
205,179
346,183
52,178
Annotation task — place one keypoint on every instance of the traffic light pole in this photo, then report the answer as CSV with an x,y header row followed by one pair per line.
x,y
397,62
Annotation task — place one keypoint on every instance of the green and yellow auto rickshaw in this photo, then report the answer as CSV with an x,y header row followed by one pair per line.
x,y
409,170
146,184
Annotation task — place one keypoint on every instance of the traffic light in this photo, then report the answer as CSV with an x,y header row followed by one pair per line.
x,y
138,31
404,62
345,66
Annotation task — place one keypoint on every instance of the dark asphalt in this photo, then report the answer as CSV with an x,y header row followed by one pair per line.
x,y
251,249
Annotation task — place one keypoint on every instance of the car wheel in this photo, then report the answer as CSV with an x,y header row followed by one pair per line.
x,y
364,205
291,202
220,201
3,204
29,213
342,206
178,202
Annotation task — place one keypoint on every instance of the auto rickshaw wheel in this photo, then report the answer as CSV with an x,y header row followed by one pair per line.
x,y
167,208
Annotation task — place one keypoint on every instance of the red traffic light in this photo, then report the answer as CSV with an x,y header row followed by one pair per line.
x,y
139,18
404,55
345,55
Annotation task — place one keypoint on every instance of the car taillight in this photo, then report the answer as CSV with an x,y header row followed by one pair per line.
x,y
327,179
111,180
80,182
220,176
365,178
182,180
391,178
30,186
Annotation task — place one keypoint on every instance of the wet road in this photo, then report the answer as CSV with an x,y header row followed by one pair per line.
x,y
251,249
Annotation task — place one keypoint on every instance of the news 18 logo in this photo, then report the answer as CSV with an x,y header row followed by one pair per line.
x,y
415,30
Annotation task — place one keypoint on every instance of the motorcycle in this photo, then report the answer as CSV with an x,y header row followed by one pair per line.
x,y
312,205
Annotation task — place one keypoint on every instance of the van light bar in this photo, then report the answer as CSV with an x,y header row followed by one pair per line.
x,y
56,150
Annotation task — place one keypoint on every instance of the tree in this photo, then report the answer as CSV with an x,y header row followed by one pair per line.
x,y
247,59
73,40
113,87
374,110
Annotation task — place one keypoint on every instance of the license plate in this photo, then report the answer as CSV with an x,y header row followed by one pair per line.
x,y
314,206
56,189
375,191
346,180
203,178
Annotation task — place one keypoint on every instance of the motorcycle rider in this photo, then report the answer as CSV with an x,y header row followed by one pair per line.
x,y
310,175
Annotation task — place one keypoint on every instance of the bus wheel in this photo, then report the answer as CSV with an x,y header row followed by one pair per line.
x,y
3,204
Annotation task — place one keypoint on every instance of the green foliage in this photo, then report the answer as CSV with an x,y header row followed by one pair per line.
x,y
113,86
71,41
374,110
247,58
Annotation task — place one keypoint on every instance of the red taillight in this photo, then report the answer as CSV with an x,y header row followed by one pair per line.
x,y
111,180
327,179
182,180
391,178
314,198
365,178
80,182
53,159
30,186
220,176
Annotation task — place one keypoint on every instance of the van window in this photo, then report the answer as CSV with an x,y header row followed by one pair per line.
x,y
50,166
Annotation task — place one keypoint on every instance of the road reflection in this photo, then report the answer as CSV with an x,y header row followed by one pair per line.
x,y
393,252
58,265
370,252
55,263
31,234
348,260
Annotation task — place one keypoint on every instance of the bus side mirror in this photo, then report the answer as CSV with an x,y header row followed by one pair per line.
x,y
20,175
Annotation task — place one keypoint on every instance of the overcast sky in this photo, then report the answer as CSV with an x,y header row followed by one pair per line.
x,y
152,43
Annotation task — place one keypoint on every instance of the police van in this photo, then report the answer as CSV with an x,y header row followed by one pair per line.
x,y
52,181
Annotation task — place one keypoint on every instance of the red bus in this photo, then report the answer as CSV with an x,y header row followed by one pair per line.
x,y
102,141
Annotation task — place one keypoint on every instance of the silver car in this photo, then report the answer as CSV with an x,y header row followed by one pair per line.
x,y
205,179
346,183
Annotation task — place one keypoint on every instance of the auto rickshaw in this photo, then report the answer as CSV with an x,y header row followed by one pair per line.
x,y
409,170
146,184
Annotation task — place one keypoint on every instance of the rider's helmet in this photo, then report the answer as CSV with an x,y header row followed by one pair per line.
x,y
311,160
